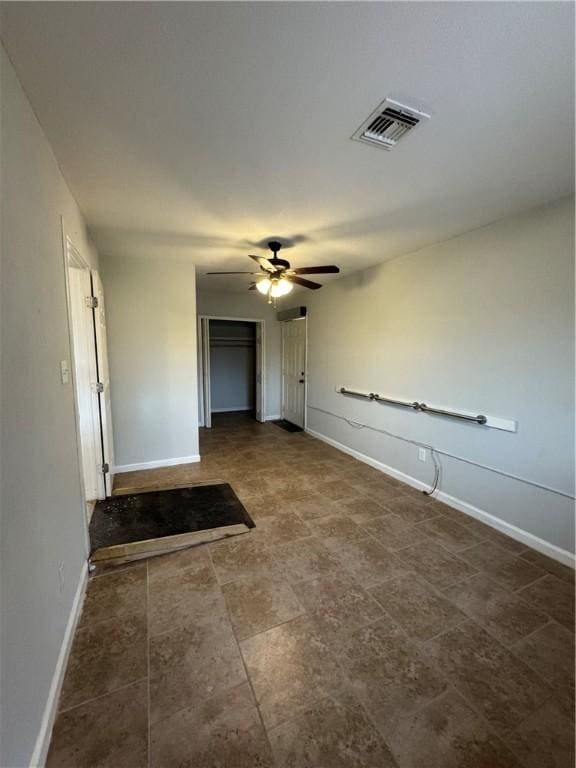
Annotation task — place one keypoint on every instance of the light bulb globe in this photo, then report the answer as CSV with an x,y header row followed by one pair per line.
x,y
263,286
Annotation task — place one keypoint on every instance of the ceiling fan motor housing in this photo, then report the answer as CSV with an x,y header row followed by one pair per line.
x,y
279,263
275,246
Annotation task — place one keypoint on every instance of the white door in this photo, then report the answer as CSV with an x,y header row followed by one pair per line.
x,y
85,380
105,404
294,371
205,362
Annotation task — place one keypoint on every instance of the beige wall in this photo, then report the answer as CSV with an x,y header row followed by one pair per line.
x,y
151,323
484,323
42,512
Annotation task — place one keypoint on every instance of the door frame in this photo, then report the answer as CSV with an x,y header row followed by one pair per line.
x,y
74,259
295,320
204,372
103,372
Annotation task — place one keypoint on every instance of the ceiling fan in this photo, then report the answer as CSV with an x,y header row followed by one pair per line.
x,y
276,276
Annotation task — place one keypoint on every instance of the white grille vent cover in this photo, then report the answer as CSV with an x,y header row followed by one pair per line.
x,y
389,123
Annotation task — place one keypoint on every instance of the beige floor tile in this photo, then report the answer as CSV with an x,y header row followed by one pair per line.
x,y
550,652
394,533
290,668
368,561
337,605
314,507
334,733
336,490
382,492
192,663
105,656
435,563
363,509
191,559
502,613
114,595
178,602
303,560
109,732
508,570
449,533
545,739
222,732
553,596
411,510
487,533
447,733
287,526
565,699
388,674
417,606
183,589
352,660
257,603
492,679
360,474
239,557
559,570
450,513
261,507
337,528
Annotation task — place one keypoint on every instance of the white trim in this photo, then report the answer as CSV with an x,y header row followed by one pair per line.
x,y
73,259
535,542
275,417
158,463
51,707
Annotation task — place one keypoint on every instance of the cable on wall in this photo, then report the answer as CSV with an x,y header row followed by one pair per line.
x,y
435,452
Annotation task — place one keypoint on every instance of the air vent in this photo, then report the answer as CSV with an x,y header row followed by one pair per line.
x,y
388,124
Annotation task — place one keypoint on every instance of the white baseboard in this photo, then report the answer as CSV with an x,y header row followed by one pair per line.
x,y
158,463
51,707
237,409
524,537
273,418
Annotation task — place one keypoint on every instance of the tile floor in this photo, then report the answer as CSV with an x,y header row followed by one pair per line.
x,y
360,625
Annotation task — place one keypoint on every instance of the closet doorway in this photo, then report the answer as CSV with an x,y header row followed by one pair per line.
x,y
231,369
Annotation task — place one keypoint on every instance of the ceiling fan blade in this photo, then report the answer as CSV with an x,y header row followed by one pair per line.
x,y
264,263
252,287
331,269
304,283
232,273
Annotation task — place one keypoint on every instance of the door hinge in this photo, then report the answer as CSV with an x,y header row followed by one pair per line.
x,y
105,468
98,387
92,302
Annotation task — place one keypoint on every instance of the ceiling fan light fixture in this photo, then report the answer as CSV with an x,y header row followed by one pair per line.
x,y
264,286
280,288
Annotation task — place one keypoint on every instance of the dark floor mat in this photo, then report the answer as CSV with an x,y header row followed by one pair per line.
x,y
287,425
156,515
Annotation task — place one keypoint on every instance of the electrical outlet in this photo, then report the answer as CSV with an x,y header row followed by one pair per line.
x,y
421,454
61,576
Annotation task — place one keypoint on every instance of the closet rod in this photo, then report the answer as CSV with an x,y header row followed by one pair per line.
x,y
416,406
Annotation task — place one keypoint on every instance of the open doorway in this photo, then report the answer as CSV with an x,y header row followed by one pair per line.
x,y
231,368
89,374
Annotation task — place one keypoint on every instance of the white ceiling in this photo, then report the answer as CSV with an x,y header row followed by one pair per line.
x,y
194,130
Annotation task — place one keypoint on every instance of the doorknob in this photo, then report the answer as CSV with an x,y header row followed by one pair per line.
x,y
301,381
